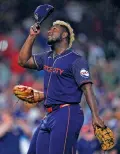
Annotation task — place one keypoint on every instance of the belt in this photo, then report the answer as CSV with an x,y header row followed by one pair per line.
x,y
51,109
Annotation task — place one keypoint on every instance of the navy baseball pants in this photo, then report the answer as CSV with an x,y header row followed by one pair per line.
x,y
58,132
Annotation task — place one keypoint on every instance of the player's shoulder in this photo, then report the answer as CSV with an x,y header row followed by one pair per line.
x,y
47,53
78,57
76,53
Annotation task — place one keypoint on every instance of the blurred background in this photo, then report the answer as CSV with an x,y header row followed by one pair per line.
x,y
96,24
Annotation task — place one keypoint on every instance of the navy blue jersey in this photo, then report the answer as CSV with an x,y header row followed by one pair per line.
x,y
63,76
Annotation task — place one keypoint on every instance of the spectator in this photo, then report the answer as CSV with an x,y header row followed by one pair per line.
x,y
87,144
11,130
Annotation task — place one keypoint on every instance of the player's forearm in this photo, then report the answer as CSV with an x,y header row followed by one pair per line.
x,y
90,98
26,50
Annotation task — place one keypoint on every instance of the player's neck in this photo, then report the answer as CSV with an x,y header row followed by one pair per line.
x,y
61,47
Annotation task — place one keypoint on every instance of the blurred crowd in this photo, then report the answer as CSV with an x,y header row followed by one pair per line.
x,y
97,28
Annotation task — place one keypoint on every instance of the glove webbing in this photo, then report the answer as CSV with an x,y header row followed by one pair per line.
x,y
109,141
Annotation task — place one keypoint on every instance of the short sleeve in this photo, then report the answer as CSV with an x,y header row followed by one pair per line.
x,y
80,71
39,60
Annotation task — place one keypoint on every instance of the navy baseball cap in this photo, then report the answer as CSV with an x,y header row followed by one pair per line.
x,y
42,12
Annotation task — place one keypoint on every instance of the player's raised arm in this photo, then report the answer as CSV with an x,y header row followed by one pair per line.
x,y
91,101
25,56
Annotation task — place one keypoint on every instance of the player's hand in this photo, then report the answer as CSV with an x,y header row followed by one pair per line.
x,y
96,121
34,30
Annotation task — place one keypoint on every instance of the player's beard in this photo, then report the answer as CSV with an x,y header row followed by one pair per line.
x,y
53,41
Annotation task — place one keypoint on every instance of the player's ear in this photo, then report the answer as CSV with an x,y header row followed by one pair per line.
x,y
64,35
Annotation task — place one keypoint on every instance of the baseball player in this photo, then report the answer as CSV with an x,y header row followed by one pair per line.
x,y
66,78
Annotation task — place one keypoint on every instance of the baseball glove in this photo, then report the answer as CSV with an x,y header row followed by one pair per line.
x,y
105,137
28,94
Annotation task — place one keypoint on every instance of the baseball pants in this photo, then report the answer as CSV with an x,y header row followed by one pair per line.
x,y
58,132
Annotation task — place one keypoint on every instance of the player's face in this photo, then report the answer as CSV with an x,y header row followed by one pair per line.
x,y
54,34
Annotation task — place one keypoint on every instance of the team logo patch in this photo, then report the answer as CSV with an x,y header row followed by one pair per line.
x,y
84,73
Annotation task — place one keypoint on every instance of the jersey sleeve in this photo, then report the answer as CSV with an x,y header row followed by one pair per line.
x,y
39,60
81,71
